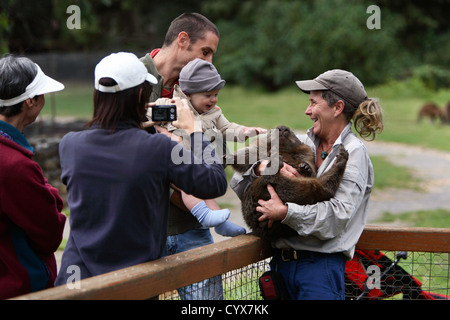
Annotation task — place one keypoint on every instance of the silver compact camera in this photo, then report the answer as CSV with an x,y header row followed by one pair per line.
x,y
164,113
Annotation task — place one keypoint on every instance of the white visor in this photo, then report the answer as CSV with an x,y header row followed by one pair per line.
x,y
41,84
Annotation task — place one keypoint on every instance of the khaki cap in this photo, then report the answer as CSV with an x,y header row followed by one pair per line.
x,y
341,82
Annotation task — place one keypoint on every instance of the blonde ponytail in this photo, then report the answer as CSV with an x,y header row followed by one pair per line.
x,y
368,119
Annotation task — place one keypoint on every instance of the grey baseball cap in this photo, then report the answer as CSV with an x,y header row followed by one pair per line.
x,y
200,76
340,82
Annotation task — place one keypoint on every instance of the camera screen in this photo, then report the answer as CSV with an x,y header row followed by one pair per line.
x,y
164,113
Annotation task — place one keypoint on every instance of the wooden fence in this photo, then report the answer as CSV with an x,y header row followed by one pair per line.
x,y
150,279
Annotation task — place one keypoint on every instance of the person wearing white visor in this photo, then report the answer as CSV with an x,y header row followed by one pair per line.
x,y
30,212
27,101
41,84
118,176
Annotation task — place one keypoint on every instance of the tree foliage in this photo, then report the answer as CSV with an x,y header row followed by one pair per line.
x,y
269,43
276,42
105,24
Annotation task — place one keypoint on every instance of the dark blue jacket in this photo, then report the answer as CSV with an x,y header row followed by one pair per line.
x,y
118,194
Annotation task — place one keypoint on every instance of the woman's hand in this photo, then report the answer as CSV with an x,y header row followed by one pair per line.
x,y
149,123
273,209
185,117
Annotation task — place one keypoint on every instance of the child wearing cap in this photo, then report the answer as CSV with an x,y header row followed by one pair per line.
x,y
200,83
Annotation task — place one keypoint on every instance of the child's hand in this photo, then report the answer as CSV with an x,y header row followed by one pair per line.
x,y
166,132
248,132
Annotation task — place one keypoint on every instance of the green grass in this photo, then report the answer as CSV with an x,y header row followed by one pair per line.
x,y
401,102
257,107
76,100
389,175
423,218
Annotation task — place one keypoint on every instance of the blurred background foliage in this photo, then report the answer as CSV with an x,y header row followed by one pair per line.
x,y
264,43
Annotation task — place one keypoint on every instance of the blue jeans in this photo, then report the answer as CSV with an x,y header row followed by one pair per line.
x,y
208,289
315,276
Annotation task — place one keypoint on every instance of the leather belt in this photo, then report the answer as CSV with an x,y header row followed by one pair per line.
x,y
291,254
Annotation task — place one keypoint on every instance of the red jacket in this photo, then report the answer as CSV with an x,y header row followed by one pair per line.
x,y
31,225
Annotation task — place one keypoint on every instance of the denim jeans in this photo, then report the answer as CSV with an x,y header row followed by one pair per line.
x,y
314,277
208,289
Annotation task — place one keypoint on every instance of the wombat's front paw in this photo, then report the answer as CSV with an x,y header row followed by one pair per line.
x,y
270,169
342,156
305,170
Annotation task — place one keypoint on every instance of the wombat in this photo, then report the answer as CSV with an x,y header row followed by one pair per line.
x,y
307,189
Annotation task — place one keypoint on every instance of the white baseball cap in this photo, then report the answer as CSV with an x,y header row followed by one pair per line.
x,y
41,84
124,68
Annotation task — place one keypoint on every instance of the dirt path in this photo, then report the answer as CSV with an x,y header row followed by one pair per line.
x,y
431,166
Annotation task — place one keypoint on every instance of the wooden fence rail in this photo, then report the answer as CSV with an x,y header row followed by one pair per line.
x,y
150,279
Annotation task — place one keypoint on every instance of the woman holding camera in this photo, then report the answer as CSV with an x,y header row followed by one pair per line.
x,y
118,176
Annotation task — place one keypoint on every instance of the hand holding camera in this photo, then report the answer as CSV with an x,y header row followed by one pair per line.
x,y
176,111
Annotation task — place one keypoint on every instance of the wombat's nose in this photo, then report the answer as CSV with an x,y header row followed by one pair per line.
x,y
283,130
